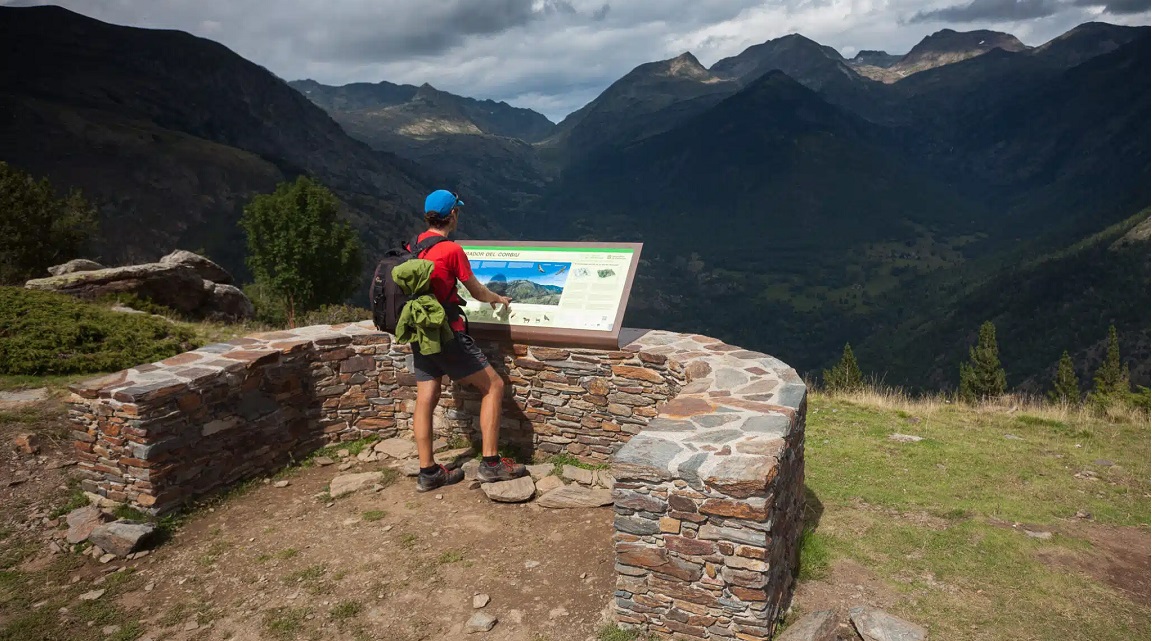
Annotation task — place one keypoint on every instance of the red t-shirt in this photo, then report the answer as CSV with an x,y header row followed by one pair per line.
x,y
451,265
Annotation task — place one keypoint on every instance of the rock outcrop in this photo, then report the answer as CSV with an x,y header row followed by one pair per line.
x,y
183,281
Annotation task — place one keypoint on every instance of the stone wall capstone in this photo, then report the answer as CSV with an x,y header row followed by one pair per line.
x,y
705,442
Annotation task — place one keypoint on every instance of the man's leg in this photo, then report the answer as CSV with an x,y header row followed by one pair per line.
x,y
427,398
489,383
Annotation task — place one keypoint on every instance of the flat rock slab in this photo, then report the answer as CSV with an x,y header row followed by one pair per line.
x,y
514,491
576,496
905,438
878,625
349,483
814,626
82,521
121,537
481,621
547,484
578,474
453,459
540,471
396,448
22,397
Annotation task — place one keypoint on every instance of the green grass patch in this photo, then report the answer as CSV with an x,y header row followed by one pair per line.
x,y
285,623
611,632
287,553
76,500
450,556
345,610
373,515
310,573
408,541
558,462
130,513
50,333
814,555
932,520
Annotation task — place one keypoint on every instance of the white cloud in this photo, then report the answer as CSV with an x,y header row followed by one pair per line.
x,y
555,55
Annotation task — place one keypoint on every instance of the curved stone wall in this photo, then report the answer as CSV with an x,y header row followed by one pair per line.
x,y
705,441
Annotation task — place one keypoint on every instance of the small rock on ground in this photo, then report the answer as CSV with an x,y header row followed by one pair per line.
x,y
396,448
480,600
514,491
92,596
452,459
877,625
547,484
905,438
528,565
281,484
814,626
82,521
578,474
540,471
26,443
349,483
480,622
121,537
323,460
576,496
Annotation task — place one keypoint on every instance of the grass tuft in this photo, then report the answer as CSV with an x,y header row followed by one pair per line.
x,y
373,515
814,555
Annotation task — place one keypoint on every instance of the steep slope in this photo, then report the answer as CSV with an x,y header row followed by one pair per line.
x,y
647,100
769,205
1042,304
942,48
418,112
147,121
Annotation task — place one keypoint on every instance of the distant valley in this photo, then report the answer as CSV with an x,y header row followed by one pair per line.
x,y
790,199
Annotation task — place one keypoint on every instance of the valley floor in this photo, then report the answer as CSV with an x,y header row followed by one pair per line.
x,y
999,524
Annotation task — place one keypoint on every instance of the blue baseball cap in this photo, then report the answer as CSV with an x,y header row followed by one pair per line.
x,y
441,202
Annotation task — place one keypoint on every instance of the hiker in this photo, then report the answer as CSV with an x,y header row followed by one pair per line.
x,y
458,357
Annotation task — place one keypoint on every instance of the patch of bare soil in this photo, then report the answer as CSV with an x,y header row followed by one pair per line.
x,y
31,483
845,585
1119,557
277,563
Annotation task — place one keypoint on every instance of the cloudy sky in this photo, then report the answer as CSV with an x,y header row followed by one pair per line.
x,y
556,55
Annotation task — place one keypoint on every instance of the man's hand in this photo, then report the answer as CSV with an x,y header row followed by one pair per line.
x,y
500,300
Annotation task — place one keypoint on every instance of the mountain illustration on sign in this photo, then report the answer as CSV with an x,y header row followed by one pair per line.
x,y
529,283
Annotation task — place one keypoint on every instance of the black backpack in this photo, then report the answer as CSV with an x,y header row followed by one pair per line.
x,y
386,297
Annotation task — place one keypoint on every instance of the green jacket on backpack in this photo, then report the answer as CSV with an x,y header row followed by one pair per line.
x,y
423,320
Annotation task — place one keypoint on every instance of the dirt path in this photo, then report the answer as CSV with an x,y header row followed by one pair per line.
x,y
393,564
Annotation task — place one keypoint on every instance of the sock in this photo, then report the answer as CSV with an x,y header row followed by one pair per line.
x,y
492,460
429,471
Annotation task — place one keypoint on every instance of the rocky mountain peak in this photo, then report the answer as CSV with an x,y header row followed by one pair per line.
x,y
947,46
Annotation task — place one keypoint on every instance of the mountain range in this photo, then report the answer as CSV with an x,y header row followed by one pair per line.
x,y
894,201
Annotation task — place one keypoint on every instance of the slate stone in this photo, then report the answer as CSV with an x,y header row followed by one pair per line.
x,y
121,537
514,491
578,474
396,448
575,496
713,420
791,395
480,622
540,471
547,484
349,483
814,626
714,436
777,424
670,425
644,450
690,470
82,521
637,526
877,625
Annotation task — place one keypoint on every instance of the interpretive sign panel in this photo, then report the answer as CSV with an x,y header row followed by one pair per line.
x,y
562,293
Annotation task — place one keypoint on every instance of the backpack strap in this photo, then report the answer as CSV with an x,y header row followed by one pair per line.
x,y
418,247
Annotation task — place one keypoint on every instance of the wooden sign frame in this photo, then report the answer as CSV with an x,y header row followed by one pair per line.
x,y
559,336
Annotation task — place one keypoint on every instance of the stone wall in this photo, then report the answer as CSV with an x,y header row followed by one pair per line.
x,y
706,443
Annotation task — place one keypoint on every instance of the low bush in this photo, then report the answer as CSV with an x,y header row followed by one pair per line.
x,y
49,333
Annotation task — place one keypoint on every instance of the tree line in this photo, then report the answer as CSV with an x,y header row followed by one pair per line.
x,y
982,376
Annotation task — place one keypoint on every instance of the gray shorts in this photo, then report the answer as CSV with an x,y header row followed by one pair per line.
x,y
457,359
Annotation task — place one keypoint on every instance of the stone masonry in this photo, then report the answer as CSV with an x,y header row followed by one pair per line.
x,y
705,441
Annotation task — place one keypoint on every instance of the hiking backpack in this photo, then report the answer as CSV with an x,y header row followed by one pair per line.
x,y
387,298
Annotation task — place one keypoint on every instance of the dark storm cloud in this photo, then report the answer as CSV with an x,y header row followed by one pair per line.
x,y
978,10
1117,7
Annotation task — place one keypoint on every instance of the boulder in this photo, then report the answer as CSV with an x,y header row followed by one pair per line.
x,y
76,265
878,625
514,491
121,537
576,496
178,287
203,267
349,483
814,626
82,521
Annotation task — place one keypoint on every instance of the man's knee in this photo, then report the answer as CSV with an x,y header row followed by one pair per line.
x,y
495,385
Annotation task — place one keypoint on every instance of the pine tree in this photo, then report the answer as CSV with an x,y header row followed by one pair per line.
x,y
1111,380
845,376
37,228
982,376
1065,386
299,250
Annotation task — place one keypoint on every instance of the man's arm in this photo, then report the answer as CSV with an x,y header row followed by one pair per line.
x,y
483,294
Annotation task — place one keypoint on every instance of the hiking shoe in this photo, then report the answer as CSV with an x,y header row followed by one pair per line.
x,y
440,478
505,470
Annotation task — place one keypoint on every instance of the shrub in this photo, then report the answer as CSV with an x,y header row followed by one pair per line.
x,y
38,229
333,314
49,333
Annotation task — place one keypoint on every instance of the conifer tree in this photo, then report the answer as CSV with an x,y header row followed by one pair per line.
x,y
982,376
1065,386
1111,380
845,375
